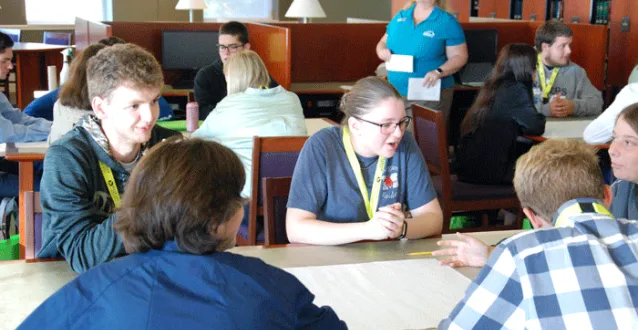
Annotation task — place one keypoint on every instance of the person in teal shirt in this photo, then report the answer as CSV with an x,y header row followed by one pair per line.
x,y
436,41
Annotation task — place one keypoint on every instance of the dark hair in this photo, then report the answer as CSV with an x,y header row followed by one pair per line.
x,y
5,42
515,62
630,116
235,29
110,41
75,91
182,190
548,32
366,94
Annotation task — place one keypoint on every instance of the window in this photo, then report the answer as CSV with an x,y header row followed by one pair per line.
x,y
63,11
245,10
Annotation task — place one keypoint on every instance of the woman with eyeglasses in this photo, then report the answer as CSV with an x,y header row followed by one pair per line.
x,y
365,180
503,111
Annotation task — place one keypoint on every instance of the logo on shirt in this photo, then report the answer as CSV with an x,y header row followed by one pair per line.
x,y
104,203
402,19
429,34
391,181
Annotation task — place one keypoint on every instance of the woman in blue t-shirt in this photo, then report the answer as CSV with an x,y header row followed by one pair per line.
x,y
365,180
436,41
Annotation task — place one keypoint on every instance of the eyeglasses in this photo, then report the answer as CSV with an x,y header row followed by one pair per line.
x,y
232,48
389,128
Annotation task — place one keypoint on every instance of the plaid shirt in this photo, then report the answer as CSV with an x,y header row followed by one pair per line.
x,y
583,274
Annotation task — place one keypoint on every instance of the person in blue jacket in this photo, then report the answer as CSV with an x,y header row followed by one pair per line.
x,y
181,211
15,126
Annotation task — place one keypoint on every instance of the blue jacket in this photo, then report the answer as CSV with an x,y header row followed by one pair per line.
x,y
42,107
168,289
15,126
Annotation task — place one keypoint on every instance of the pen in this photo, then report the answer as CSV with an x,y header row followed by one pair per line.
x,y
426,253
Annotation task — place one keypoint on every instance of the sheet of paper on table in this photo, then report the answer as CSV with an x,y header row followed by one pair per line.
x,y
418,92
402,294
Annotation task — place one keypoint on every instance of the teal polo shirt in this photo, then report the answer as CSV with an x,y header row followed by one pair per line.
x,y
425,41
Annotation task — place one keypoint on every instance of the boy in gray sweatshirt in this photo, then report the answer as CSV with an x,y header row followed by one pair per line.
x,y
562,88
86,170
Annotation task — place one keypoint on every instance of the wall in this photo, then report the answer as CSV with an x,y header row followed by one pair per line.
x,y
12,12
338,10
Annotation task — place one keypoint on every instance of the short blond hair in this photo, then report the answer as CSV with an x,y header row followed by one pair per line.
x,y
243,70
556,171
122,65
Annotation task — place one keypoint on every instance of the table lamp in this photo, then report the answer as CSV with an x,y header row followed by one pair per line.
x,y
190,5
305,9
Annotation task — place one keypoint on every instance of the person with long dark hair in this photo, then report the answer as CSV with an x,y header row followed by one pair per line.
x,y
503,111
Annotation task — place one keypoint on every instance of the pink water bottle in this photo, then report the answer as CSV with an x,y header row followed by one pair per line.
x,y
192,116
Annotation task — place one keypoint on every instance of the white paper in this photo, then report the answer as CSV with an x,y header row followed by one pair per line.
x,y
402,294
400,63
566,129
418,92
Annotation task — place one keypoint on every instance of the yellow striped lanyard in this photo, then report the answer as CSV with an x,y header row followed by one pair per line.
x,y
562,219
541,74
372,201
110,184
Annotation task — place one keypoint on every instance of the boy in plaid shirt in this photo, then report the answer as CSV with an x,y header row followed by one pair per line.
x,y
578,271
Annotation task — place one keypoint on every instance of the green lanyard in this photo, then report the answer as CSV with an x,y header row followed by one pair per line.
x,y
372,201
110,184
541,74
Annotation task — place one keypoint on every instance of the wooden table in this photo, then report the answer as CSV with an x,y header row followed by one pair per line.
x,y
23,286
313,125
32,59
26,154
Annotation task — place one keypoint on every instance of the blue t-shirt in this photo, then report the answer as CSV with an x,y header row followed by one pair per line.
x,y
426,42
324,183
42,107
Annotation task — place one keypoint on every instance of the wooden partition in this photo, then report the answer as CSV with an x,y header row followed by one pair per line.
x,y
497,8
270,42
334,52
535,7
577,8
273,43
623,46
87,32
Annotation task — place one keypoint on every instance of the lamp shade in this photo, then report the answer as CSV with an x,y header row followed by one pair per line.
x,y
191,4
305,8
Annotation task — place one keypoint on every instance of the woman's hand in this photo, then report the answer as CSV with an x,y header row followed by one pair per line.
x,y
466,252
430,78
386,223
384,54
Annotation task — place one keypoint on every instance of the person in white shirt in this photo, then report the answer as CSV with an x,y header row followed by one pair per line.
x,y
251,109
601,129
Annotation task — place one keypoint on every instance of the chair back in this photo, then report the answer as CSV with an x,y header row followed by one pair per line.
x,y
33,225
431,137
14,34
272,157
57,38
275,196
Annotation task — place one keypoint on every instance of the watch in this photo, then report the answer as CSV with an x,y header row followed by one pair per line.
x,y
405,230
439,70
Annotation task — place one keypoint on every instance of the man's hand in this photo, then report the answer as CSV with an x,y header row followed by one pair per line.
x,y
466,252
559,106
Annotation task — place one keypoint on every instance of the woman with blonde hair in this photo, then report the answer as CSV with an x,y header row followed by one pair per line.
x,y
251,109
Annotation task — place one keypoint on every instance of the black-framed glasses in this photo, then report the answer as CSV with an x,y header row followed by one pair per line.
x,y
231,48
389,128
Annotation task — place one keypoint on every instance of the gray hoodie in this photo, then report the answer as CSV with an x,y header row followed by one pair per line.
x,y
77,210
572,82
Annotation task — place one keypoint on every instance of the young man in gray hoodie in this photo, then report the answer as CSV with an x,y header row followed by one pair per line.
x,y
86,170
562,87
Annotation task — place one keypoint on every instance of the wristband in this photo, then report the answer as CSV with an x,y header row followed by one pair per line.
x,y
405,230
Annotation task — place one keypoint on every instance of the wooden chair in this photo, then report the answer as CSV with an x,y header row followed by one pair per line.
x,y
272,157
275,196
454,195
32,231
56,38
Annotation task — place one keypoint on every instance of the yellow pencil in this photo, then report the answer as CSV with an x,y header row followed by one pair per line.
x,y
426,253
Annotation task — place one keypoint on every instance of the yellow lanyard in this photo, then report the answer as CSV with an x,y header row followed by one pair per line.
x,y
110,184
372,201
541,74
